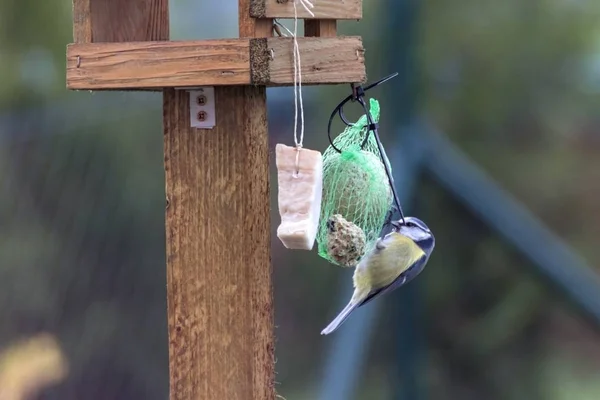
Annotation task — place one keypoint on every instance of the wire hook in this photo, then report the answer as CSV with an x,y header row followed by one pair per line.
x,y
357,93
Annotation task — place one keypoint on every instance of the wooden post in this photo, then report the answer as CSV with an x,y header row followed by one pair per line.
x,y
218,244
96,21
220,296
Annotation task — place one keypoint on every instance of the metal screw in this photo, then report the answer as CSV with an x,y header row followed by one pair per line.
x,y
201,100
202,116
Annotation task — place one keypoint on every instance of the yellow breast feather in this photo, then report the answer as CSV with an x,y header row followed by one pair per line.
x,y
382,266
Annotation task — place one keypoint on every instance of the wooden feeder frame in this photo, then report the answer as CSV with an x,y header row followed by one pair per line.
x,y
219,283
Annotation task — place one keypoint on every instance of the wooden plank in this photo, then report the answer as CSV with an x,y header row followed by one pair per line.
x,y
158,64
255,130
120,21
82,21
220,293
249,26
97,21
323,9
268,61
320,27
324,60
218,244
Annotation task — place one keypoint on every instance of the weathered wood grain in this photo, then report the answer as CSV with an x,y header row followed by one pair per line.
x,y
158,64
320,27
96,21
324,60
82,21
137,65
323,9
120,20
218,244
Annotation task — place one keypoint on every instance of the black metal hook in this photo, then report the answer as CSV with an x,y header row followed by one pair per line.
x,y
358,93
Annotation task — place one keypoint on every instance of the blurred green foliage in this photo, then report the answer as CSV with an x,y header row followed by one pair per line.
x,y
81,209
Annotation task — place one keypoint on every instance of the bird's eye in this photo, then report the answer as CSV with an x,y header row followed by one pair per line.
x,y
410,224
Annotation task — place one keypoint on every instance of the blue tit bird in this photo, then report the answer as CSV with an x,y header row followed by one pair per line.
x,y
396,259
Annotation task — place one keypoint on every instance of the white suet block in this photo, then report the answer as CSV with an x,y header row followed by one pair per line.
x,y
299,195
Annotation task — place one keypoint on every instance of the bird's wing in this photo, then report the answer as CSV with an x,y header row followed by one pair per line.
x,y
401,280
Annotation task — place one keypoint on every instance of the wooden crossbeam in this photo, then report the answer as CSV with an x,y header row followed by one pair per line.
x,y
268,61
323,9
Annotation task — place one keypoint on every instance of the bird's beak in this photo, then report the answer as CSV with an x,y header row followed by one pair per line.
x,y
397,224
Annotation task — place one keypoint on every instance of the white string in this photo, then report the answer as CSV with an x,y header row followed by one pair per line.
x,y
298,81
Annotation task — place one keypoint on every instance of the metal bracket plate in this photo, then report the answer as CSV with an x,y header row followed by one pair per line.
x,y
202,107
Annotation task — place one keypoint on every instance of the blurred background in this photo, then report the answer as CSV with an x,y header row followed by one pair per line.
x,y
493,128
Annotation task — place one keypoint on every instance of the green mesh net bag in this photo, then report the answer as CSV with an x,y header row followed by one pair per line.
x,y
356,195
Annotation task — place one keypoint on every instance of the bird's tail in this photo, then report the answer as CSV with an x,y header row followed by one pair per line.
x,y
342,316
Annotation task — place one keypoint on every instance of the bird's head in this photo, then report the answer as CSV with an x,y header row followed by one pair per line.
x,y
416,230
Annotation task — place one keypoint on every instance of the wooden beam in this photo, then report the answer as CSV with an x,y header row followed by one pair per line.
x,y
267,61
100,21
320,27
220,294
324,9
158,64
324,61
82,21
97,21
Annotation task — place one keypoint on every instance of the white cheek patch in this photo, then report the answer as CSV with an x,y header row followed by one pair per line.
x,y
414,233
